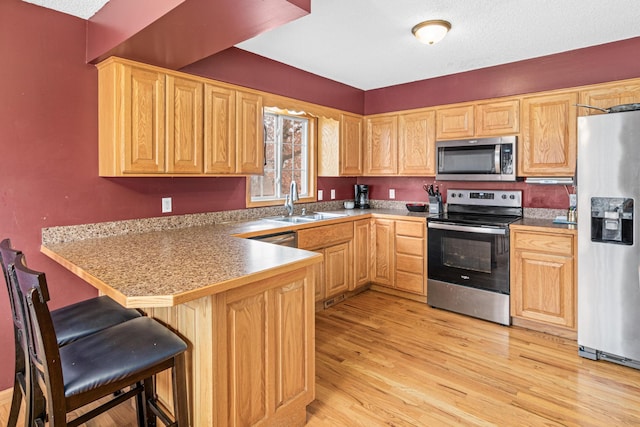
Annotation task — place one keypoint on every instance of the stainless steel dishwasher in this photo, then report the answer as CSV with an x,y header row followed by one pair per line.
x,y
286,238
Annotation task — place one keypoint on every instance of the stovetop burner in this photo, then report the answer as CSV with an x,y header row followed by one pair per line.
x,y
478,207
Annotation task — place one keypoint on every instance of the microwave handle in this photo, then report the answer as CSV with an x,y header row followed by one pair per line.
x,y
497,158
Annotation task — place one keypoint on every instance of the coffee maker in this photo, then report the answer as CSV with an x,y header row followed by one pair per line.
x,y
362,196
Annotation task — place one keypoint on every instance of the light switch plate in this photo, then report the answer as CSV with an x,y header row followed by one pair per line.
x,y
320,195
333,194
573,200
392,193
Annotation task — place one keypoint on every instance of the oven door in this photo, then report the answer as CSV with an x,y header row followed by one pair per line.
x,y
474,256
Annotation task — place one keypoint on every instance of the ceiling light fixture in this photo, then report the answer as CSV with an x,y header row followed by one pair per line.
x,y
431,32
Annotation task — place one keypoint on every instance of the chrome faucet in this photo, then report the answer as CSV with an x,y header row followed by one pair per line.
x,y
291,198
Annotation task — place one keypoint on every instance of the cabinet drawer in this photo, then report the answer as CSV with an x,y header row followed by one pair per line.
x,y
410,282
410,263
328,235
411,228
409,245
547,243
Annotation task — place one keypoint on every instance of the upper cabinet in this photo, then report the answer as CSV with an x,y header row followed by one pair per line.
x,y
609,95
417,143
455,122
487,119
381,154
350,145
340,145
549,130
158,122
401,144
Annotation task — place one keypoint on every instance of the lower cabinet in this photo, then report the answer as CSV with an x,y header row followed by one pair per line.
x,y
543,279
400,255
361,252
335,274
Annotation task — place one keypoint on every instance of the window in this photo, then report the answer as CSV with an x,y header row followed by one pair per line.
x,y
288,156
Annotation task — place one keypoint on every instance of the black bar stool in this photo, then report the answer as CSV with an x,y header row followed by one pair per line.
x,y
70,323
127,355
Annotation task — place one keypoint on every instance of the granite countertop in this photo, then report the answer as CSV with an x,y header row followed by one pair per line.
x,y
167,267
168,261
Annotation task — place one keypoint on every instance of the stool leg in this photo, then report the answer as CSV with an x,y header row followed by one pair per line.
x,y
16,401
141,407
149,396
179,377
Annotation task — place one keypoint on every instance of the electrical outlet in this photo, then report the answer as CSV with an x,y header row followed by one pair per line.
x,y
320,195
333,194
573,200
166,204
392,193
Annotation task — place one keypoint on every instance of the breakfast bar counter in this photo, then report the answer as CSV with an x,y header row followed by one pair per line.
x,y
245,308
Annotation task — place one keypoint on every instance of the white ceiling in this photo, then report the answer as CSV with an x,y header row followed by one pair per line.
x,y
368,44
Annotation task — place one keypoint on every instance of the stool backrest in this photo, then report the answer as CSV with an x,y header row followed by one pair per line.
x,y
44,353
7,259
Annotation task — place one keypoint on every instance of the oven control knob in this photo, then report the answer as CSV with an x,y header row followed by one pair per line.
x,y
460,195
512,197
453,195
504,196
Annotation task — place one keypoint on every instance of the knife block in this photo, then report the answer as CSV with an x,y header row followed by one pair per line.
x,y
435,205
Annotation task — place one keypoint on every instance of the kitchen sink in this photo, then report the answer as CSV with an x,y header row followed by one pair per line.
x,y
302,219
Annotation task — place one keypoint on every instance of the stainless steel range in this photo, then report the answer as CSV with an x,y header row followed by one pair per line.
x,y
468,253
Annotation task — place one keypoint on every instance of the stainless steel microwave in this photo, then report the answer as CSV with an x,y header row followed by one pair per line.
x,y
481,159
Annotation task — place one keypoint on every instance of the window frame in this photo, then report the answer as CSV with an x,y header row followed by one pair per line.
x,y
312,174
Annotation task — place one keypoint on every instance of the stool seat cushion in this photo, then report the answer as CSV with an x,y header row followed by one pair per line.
x,y
87,317
115,353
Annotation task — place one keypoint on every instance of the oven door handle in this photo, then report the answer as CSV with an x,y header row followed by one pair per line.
x,y
466,228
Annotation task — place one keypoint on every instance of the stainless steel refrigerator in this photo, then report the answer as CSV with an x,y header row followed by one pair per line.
x,y
608,187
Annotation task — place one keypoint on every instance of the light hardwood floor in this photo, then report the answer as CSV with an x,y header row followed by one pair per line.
x,y
386,361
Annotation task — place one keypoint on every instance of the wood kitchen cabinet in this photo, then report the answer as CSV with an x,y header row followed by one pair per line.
x,y
549,135
609,95
455,122
417,143
399,255
219,129
361,252
249,133
184,125
335,243
157,122
381,142
410,252
351,147
486,119
383,244
543,279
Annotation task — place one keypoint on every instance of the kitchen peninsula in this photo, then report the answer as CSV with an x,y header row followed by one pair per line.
x,y
246,310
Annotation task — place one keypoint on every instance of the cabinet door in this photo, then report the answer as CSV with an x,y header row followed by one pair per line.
x,y
250,134
362,252
383,245
219,129
543,288
609,95
410,250
144,120
455,122
498,118
548,144
417,144
328,147
382,146
351,157
184,125
337,261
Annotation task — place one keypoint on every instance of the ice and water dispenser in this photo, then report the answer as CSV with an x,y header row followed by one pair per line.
x,y
612,220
